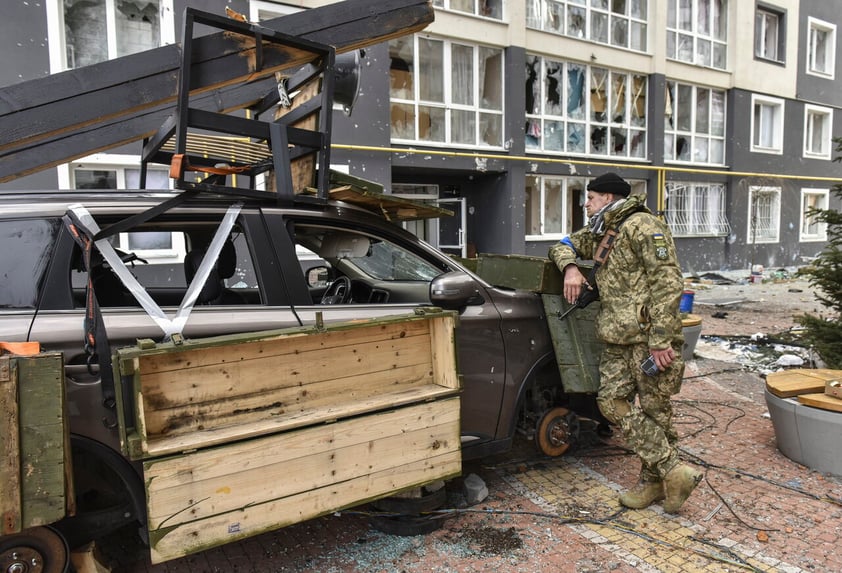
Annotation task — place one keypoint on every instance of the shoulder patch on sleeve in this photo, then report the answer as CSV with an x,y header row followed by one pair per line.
x,y
661,250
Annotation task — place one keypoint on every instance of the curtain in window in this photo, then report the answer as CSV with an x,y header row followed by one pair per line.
x,y
764,119
462,74
431,69
575,91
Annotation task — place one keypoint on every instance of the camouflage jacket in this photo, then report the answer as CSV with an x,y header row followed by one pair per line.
x,y
640,284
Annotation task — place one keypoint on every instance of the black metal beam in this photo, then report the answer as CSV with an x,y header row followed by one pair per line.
x,y
64,116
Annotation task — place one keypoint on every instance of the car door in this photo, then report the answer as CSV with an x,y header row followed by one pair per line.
x,y
390,272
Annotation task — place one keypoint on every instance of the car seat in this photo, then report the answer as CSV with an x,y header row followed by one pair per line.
x,y
214,291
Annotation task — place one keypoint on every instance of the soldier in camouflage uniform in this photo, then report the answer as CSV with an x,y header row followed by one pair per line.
x,y
640,286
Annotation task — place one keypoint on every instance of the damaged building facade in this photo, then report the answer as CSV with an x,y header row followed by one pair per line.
x,y
722,112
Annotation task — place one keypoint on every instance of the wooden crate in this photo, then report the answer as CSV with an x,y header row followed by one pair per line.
x,y
34,451
246,433
538,274
223,494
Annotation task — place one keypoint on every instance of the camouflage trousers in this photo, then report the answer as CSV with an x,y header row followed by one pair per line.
x,y
640,405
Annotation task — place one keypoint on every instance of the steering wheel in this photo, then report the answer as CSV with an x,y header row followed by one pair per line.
x,y
338,292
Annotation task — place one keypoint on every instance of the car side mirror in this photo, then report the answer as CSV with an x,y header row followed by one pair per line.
x,y
318,277
454,291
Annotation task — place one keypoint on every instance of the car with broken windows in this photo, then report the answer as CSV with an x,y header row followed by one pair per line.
x,y
278,266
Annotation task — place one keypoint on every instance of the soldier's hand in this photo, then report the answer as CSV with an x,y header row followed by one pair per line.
x,y
574,281
663,358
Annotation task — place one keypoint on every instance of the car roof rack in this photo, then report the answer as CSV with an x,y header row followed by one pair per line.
x,y
286,149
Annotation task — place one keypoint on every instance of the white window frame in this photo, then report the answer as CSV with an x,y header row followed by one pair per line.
x,y
477,8
695,137
811,115
806,224
565,210
618,90
777,105
768,21
58,40
697,209
266,10
772,203
449,107
555,16
690,42
814,25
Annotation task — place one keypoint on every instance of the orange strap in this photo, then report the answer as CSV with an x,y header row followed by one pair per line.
x,y
180,164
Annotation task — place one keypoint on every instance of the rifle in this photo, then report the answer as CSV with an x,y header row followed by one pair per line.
x,y
586,297
591,293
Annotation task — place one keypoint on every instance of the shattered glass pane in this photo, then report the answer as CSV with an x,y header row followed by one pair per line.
x,y
138,26
430,68
86,35
576,22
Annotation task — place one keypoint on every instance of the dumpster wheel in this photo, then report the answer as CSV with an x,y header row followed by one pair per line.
x,y
557,430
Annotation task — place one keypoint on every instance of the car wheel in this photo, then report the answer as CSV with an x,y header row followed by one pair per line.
x,y
36,550
557,430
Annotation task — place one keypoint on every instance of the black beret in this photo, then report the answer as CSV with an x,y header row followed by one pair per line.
x,y
610,183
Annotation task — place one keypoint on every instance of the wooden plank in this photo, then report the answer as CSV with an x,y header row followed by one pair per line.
x,y
51,116
233,377
205,352
286,403
42,438
10,508
224,479
789,383
443,348
246,505
206,438
211,391
822,401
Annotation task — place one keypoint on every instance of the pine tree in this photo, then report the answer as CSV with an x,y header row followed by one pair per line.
x,y
825,274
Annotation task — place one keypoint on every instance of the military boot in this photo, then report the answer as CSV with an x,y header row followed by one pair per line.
x,y
644,494
679,483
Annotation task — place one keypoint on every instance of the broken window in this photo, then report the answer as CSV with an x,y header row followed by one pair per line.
x,y
88,39
620,23
813,229
817,133
769,34
459,91
821,48
485,8
694,124
559,116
